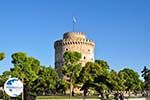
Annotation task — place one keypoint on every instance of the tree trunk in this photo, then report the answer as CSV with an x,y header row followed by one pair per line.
x,y
23,89
25,93
102,94
129,93
84,93
100,91
71,88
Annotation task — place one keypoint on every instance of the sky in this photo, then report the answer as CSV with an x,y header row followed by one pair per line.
x,y
119,28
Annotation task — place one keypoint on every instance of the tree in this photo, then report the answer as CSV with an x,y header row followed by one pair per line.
x,y
95,75
114,80
121,81
87,76
61,86
102,81
132,81
71,68
2,55
146,76
4,77
47,80
26,69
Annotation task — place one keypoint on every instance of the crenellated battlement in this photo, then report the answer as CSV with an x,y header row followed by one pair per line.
x,y
73,42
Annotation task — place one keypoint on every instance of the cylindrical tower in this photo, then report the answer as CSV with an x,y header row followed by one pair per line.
x,y
73,41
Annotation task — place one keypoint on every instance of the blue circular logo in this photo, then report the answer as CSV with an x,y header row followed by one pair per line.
x,y
13,87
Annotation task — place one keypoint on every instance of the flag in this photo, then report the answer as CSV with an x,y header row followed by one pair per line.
x,y
74,19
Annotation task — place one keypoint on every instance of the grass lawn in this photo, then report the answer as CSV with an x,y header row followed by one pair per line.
x,y
66,97
77,97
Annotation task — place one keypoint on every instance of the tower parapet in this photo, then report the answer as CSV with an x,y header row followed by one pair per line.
x,y
74,35
73,41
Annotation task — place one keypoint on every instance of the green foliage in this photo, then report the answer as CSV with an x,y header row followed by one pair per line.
x,y
25,67
89,72
47,80
131,79
146,76
35,77
2,55
71,57
87,76
71,68
95,75
114,80
4,77
103,64
61,86
121,81
101,82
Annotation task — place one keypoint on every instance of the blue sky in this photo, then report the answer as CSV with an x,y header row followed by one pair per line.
x,y
120,29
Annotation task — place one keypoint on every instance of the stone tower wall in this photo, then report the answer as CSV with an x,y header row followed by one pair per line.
x,y
73,41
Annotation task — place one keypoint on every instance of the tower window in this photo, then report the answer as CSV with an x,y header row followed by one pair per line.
x,y
84,57
88,50
66,49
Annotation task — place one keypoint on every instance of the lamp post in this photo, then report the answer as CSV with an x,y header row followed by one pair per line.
x,y
23,89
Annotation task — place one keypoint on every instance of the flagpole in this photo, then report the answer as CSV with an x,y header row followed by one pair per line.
x,y
73,26
74,22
